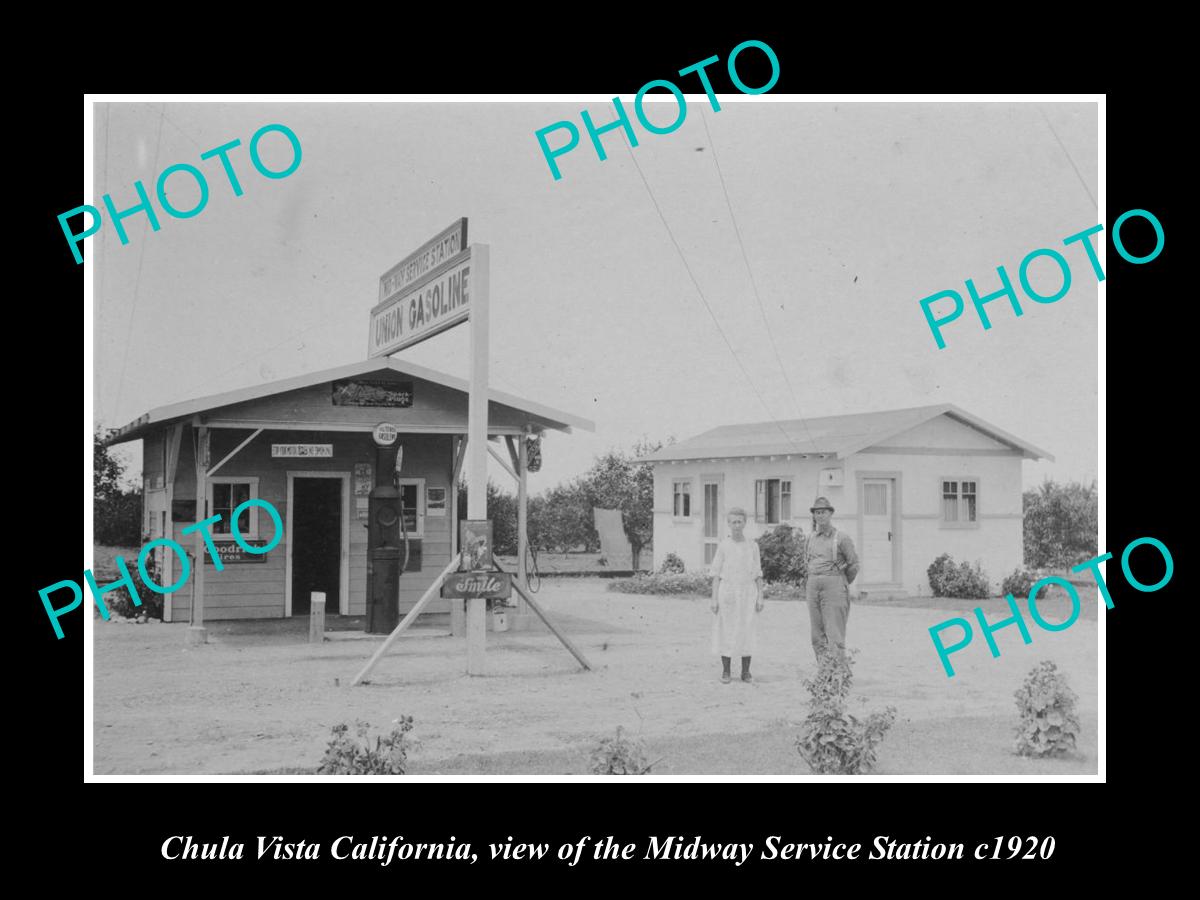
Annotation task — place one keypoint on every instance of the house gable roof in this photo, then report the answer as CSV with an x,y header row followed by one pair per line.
x,y
548,416
837,436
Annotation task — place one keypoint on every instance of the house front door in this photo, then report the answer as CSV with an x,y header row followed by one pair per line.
x,y
878,500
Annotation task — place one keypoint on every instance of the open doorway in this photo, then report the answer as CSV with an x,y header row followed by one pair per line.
x,y
317,544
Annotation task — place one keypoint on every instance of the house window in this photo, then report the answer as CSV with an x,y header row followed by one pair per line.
x,y
960,502
682,507
227,493
772,500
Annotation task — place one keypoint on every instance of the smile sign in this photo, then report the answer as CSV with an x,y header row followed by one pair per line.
x,y
478,584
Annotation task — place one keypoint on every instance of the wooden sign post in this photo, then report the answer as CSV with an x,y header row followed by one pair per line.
x,y
197,634
477,431
445,282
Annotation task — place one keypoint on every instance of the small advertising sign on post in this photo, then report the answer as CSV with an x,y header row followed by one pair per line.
x,y
476,543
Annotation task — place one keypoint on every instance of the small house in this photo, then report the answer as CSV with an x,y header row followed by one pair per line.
x,y
907,484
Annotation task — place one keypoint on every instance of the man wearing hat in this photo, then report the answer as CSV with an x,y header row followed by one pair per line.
x,y
832,568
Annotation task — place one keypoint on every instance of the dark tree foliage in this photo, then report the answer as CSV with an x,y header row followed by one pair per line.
x,y
116,513
1061,524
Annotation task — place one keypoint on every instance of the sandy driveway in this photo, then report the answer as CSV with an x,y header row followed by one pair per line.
x,y
264,702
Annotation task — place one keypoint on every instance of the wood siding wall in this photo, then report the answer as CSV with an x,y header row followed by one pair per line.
x,y
257,590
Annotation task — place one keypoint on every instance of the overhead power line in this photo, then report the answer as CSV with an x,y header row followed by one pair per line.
x,y
753,283
707,306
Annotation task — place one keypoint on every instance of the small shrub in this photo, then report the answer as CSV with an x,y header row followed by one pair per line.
x,y
776,591
120,603
672,565
692,583
831,741
1018,583
961,580
782,553
619,756
346,756
1048,725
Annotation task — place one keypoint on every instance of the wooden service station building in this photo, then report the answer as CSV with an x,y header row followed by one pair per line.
x,y
306,446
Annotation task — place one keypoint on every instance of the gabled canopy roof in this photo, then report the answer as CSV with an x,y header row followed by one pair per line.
x,y
545,416
837,436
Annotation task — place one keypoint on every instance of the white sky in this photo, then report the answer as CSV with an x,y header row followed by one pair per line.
x,y
593,310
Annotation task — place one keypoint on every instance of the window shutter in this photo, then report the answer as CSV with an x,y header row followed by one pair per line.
x,y
760,501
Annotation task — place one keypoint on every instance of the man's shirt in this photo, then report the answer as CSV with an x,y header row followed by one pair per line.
x,y
824,558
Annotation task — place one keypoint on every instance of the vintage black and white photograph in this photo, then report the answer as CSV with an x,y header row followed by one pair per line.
x,y
777,434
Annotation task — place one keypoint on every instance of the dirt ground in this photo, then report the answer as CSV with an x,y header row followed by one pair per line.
x,y
259,699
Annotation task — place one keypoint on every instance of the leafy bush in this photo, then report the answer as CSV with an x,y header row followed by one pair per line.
x,y
346,756
672,565
962,580
831,741
1048,724
1061,524
119,603
691,583
782,552
782,591
1018,583
619,756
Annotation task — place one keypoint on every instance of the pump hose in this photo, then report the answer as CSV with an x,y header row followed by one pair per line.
x,y
404,531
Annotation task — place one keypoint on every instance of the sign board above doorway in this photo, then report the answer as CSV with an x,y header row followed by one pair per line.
x,y
288,451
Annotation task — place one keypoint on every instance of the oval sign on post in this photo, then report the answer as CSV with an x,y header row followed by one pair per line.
x,y
385,434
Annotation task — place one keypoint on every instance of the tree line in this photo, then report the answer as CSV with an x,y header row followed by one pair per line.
x,y
560,518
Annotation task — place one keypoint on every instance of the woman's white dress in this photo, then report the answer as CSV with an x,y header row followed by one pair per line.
x,y
734,627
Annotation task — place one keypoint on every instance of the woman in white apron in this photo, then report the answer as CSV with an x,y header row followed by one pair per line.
x,y
736,595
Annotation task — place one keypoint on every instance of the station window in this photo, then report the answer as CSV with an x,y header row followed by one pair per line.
x,y
225,494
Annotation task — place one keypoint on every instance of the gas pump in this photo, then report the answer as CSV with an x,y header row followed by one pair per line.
x,y
387,547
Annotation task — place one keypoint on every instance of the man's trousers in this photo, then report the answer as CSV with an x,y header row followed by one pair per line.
x,y
828,608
